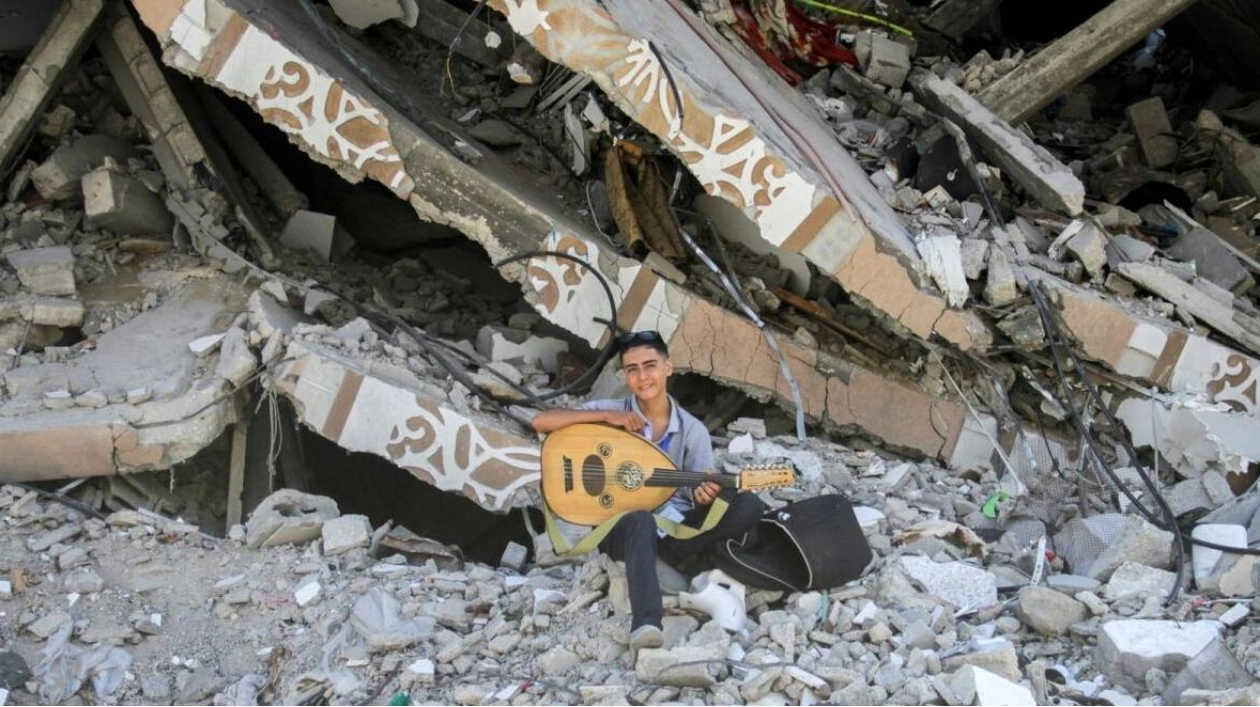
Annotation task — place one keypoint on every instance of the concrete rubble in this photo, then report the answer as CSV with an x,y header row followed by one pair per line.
x,y
281,284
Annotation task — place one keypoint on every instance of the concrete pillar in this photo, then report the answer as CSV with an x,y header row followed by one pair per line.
x,y
1076,55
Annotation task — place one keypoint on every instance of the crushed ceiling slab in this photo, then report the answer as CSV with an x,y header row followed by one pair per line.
x,y
748,138
1155,351
363,136
386,410
141,400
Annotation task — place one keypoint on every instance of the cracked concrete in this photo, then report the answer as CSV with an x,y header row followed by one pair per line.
x,y
183,416
508,217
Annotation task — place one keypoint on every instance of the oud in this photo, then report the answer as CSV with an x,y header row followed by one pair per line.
x,y
592,472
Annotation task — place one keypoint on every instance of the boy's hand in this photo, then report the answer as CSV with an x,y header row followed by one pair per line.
x,y
705,493
629,421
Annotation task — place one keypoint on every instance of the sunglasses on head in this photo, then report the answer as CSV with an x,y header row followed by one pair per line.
x,y
635,338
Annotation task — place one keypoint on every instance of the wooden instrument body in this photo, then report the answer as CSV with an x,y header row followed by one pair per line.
x,y
592,472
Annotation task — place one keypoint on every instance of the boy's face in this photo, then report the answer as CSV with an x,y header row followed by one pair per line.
x,y
646,371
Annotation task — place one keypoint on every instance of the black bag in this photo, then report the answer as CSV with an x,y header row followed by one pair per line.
x,y
812,544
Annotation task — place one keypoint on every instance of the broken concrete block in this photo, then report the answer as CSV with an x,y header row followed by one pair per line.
x,y
288,516
506,344
1098,545
124,205
977,686
942,258
1049,611
1128,648
702,665
1213,668
1205,559
361,14
1089,247
45,271
958,583
56,312
883,60
1001,288
1025,328
975,251
1127,249
236,359
1132,579
312,231
1212,259
346,533
1041,174
1235,575
205,344
1194,439
1154,132
58,177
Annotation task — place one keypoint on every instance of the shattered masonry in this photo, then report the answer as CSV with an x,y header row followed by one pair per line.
x,y
351,133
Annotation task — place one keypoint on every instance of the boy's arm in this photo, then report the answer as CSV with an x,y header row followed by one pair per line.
x,y
549,421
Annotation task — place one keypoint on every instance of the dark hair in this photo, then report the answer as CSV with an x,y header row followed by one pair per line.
x,y
651,339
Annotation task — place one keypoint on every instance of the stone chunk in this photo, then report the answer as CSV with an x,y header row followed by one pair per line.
x,y
54,311
1089,246
48,624
1048,611
1096,546
288,516
58,177
976,686
346,533
1000,288
1128,648
997,656
1214,668
124,205
1154,132
974,253
45,271
1213,261
1132,579
314,232
958,583
883,60
656,665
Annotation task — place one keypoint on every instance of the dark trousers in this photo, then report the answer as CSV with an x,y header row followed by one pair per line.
x,y
634,541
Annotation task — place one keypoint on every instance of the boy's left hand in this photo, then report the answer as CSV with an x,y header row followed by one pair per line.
x,y
705,493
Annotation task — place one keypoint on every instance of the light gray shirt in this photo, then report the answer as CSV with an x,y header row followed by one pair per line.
x,y
686,441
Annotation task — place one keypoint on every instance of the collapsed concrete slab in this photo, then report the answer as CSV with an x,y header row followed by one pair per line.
x,y
1036,170
387,411
362,136
99,430
752,140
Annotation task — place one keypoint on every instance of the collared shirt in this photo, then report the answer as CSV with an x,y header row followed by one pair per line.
x,y
686,441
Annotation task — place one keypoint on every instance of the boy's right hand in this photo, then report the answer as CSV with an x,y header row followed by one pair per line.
x,y
629,421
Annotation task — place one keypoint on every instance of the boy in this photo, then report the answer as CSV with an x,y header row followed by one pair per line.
x,y
650,411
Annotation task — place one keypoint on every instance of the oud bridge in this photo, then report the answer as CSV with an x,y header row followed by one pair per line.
x,y
630,475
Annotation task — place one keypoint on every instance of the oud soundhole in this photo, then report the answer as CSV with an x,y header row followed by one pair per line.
x,y
593,475
630,476
606,500
604,449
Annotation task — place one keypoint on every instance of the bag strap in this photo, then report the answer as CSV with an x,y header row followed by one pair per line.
x,y
592,539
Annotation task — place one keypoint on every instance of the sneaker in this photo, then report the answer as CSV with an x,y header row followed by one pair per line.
x,y
646,636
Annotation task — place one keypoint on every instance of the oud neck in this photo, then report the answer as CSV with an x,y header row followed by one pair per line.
x,y
670,477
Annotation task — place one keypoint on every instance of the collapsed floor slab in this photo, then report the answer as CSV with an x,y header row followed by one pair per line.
x,y
388,411
314,94
749,138
154,403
